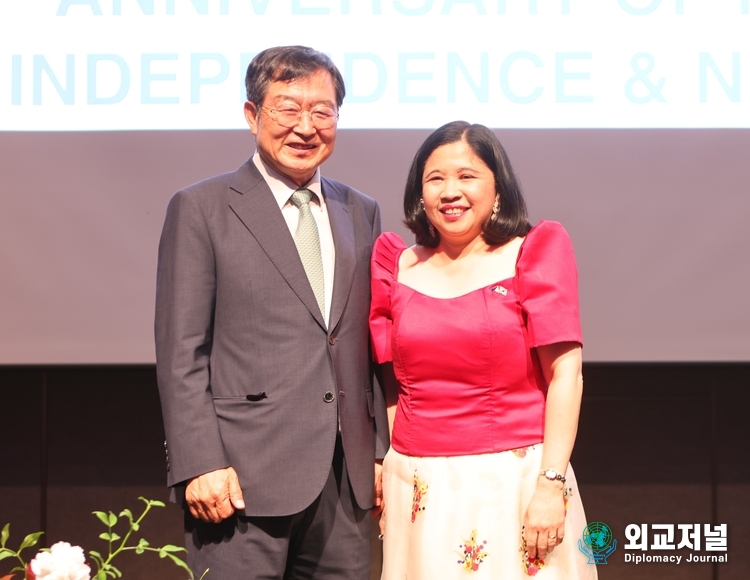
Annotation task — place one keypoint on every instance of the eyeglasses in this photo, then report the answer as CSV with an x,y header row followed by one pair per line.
x,y
290,116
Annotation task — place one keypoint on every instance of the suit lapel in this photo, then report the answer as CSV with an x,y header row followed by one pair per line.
x,y
256,207
342,228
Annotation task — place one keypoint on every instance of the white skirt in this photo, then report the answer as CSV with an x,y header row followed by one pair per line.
x,y
461,517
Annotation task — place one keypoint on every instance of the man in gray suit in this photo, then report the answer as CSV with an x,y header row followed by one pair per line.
x,y
262,344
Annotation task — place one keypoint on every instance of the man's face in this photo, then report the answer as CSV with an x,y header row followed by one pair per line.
x,y
295,152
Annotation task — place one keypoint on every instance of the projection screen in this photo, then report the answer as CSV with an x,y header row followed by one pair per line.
x,y
627,120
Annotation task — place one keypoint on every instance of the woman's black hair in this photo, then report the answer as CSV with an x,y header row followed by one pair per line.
x,y
510,221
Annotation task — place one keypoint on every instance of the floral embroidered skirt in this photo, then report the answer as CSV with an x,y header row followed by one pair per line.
x,y
461,517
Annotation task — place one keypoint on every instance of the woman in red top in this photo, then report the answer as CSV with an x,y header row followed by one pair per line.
x,y
477,330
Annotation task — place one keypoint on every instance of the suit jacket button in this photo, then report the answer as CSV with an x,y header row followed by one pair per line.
x,y
332,340
328,397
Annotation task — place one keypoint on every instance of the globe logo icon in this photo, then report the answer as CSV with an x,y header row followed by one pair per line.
x,y
597,542
597,536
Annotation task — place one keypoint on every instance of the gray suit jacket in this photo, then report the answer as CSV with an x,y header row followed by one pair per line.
x,y
249,375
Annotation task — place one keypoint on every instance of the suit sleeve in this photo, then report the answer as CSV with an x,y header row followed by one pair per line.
x,y
185,300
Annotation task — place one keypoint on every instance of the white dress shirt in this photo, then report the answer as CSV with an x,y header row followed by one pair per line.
x,y
282,189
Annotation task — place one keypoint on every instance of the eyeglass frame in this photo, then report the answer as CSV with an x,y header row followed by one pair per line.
x,y
275,111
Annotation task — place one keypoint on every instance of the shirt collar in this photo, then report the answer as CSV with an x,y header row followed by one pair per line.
x,y
281,188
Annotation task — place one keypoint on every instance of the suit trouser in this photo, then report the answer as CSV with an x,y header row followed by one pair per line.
x,y
329,540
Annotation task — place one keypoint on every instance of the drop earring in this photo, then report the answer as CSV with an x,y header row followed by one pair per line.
x,y
430,227
496,207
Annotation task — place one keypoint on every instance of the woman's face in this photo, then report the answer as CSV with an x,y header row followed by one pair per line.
x,y
458,191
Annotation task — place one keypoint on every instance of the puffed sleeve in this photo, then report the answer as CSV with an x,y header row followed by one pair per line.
x,y
385,255
548,285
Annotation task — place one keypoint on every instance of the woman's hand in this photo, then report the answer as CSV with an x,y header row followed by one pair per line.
x,y
544,522
545,516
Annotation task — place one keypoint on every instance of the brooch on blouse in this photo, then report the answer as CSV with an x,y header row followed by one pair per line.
x,y
499,290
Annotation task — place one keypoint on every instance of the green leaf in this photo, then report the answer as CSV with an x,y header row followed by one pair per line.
x,y
128,514
103,517
7,554
112,571
172,548
141,547
135,527
180,563
4,535
97,557
112,520
152,502
106,536
29,541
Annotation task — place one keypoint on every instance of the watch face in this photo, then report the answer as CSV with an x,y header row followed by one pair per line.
x,y
550,474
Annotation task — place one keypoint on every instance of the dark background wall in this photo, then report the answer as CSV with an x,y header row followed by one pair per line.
x,y
657,443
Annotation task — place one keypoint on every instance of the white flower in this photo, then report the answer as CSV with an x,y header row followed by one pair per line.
x,y
62,562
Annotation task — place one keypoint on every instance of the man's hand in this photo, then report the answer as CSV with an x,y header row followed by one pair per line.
x,y
379,504
378,501
214,496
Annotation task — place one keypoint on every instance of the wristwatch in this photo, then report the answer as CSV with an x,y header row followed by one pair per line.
x,y
552,475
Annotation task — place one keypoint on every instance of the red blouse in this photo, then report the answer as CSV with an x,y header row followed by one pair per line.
x,y
470,380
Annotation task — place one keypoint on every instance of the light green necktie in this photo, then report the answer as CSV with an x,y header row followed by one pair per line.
x,y
308,245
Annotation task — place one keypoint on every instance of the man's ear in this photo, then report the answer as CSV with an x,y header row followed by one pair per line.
x,y
252,116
